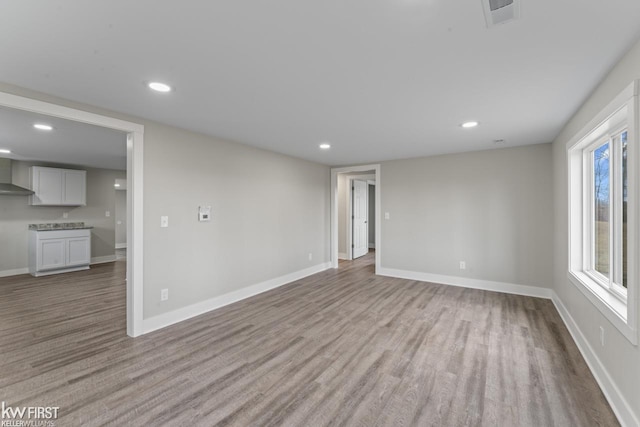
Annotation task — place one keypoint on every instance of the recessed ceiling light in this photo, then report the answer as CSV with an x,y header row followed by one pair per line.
x,y
41,126
4,151
325,146
469,124
160,87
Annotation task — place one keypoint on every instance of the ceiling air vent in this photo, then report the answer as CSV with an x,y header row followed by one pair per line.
x,y
498,12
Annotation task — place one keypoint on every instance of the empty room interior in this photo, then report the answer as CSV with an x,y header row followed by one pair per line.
x,y
417,213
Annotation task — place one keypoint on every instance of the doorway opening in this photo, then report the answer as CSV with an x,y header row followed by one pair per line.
x,y
134,181
355,230
359,218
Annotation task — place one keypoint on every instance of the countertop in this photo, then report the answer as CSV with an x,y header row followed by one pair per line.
x,y
59,226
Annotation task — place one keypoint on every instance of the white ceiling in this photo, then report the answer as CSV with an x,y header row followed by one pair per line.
x,y
377,79
70,143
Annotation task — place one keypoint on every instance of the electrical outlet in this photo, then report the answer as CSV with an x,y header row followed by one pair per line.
x,y
65,214
463,265
310,256
107,214
601,336
164,221
164,294
387,216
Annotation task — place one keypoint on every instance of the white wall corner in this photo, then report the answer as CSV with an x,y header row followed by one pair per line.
x,y
619,404
466,282
166,319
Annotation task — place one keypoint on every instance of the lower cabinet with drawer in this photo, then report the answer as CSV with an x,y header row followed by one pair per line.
x,y
59,251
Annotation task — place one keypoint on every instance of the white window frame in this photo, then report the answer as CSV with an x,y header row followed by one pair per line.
x,y
605,293
613,283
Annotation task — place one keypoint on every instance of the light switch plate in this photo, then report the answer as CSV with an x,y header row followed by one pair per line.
x,y
164,221
107,214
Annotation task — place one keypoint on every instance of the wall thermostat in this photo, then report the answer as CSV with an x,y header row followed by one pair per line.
x,y
204,213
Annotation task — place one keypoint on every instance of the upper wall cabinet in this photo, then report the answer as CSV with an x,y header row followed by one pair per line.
x,y
58,187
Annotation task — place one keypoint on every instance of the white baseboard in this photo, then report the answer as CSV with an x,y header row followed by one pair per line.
x,y
166,319
618,403
60,271
466,282
103,259
372,245
121,246
18,271
14,272
342,255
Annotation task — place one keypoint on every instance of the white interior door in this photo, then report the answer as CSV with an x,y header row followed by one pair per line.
x,y
360,237
121,219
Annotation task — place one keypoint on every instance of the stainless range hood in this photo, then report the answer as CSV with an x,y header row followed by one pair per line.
x,y
6,187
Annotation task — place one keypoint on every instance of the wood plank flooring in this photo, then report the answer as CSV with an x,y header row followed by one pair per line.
x,y
342,347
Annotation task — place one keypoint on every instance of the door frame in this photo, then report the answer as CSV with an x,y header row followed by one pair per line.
x,y
334,210
135,143
349,209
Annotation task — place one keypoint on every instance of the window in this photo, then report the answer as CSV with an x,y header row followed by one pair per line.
x,y
606,234
602,215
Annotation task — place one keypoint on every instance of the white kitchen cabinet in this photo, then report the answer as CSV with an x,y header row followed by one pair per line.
x,y
78,251
74,188
58,187
51,253
59,251
47,185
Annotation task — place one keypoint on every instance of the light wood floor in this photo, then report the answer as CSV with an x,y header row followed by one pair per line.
x,y
338,348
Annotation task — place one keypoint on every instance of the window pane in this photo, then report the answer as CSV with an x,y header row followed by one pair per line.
x,y
623,140
601,195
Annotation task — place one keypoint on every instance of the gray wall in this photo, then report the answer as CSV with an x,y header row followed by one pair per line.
x,y
121,217
16,214
491,209
269,211
619,357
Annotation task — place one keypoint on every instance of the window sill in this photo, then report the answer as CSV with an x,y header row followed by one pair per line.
x,y
608,304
